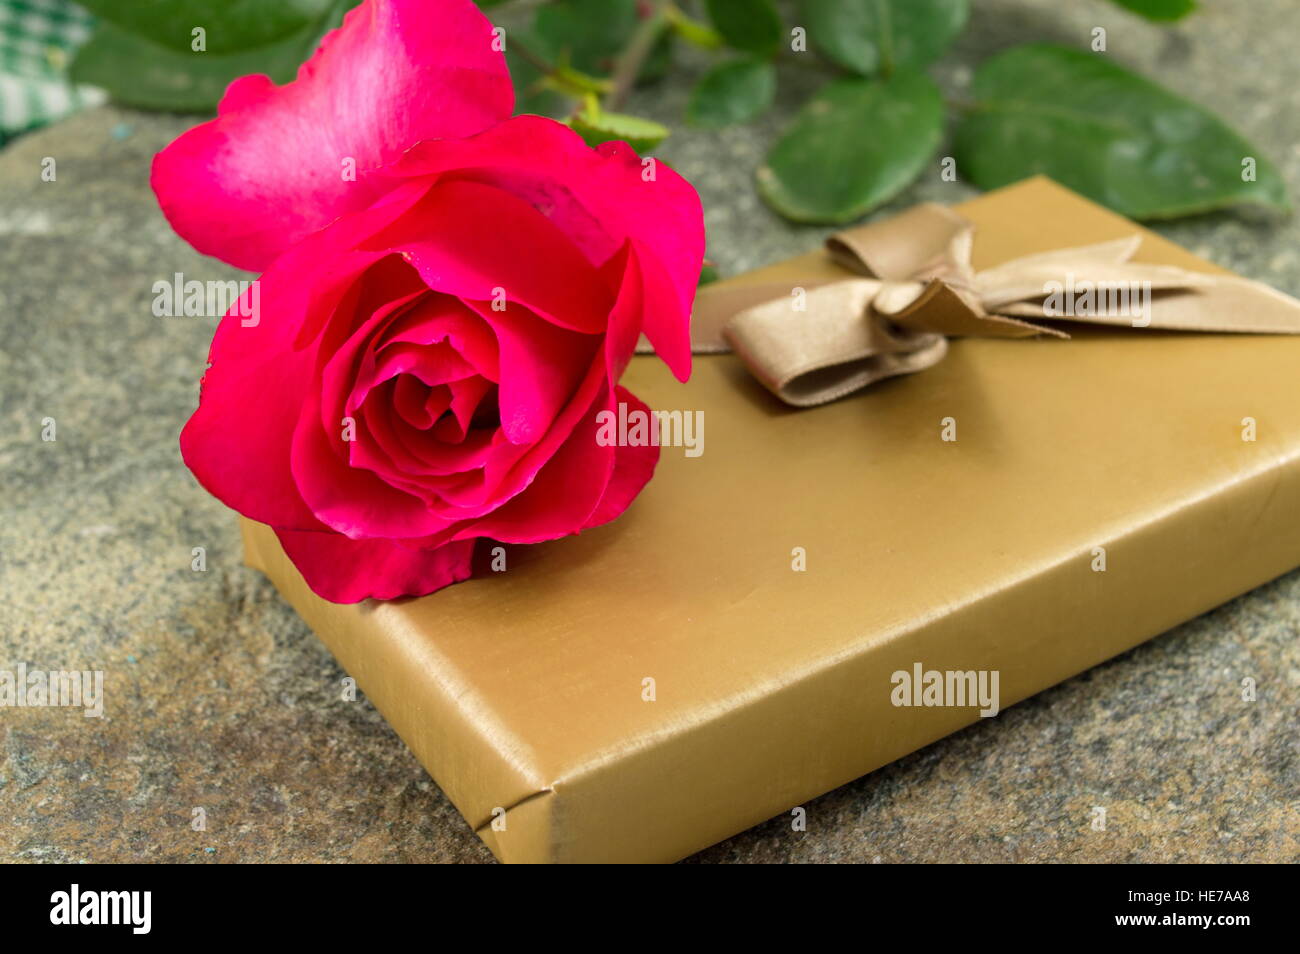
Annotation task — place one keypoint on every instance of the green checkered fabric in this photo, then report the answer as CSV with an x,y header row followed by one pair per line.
x,y
37,39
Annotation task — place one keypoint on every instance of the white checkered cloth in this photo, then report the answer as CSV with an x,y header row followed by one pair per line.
x,y
37,40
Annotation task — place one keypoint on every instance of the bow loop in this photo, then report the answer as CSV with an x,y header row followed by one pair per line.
x,y
809,354
927,241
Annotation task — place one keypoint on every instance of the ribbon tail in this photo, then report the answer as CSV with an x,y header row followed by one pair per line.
x,y
1081,258
1058,287
1228,304
713,310
1160,297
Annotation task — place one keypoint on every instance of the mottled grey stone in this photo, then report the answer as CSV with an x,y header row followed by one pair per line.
x,y
219,697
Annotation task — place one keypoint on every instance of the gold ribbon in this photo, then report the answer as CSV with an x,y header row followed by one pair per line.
x,y
814,342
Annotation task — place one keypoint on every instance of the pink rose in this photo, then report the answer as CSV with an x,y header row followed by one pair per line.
x,y
437,334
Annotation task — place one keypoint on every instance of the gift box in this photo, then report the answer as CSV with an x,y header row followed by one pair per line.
x,y
781,610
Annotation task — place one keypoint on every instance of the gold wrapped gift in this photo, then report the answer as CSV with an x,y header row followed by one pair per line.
x,y
736,643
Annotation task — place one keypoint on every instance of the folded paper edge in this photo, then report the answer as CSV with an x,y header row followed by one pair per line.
x,y
441,730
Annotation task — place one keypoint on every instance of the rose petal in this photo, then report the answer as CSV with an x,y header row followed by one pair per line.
x,y
479,242
469,397
626,317
541,366
633,468
600,198
345,349
238,439
432,364
269,169
562,496
405,457
666,328
348,571
417,404
354,501
512,467
443,318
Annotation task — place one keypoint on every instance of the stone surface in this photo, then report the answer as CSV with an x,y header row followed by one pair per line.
x,y
219,698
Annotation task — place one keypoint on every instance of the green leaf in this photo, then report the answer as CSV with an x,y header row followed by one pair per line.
x,y
641,134
137,72
877,36
856,144
1107,133
750,25
708,275
230,26
732,92
1159,10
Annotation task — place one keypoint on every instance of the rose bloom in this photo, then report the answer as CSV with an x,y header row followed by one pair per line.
x,y
449,298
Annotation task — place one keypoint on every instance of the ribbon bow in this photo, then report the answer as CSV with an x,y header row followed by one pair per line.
x,y
814,342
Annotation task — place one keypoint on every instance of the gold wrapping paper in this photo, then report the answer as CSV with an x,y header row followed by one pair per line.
x,y
522,692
